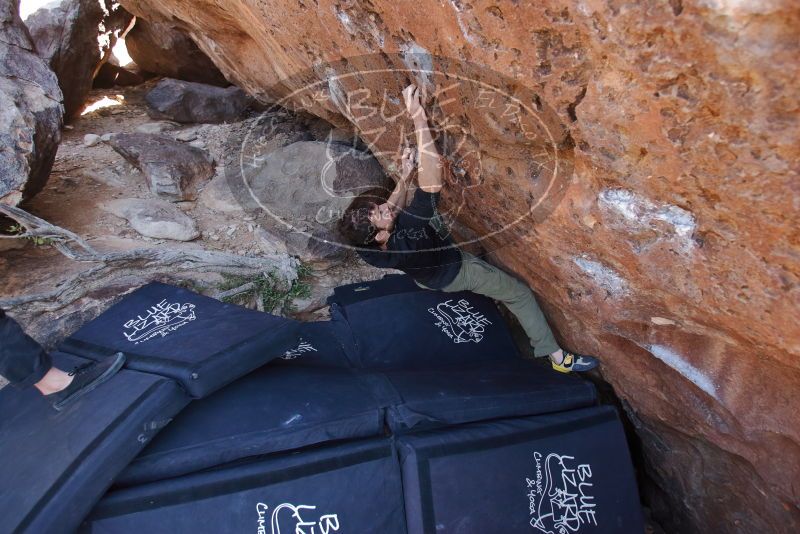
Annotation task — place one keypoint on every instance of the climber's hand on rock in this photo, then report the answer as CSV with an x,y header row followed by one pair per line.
x,y
407,164
411,95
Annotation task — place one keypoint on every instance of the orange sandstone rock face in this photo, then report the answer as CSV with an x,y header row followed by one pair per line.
x,y
665,236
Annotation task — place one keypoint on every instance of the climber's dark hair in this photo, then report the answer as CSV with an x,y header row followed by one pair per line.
x,y
355,225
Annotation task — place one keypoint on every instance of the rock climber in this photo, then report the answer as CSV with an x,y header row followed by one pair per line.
x,y
412,237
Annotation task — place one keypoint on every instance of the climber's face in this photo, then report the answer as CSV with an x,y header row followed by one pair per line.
x,y
382,216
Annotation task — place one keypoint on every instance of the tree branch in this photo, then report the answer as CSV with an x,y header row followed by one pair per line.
x,y
139,263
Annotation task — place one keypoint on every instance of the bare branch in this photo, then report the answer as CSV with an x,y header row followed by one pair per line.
x,y
139,264
244,288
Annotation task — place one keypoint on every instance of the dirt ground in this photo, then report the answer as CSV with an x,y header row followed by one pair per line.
x,y
84,177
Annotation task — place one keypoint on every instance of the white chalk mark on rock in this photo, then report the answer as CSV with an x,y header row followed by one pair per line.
x,y
689,371
662,321
458,7
640,212
419,61
602,275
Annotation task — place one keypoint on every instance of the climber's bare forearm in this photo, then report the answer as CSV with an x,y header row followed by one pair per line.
x,y
430,166
398,198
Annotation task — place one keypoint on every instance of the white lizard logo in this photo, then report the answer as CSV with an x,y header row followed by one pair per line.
x,y
459,321
326,523
160,320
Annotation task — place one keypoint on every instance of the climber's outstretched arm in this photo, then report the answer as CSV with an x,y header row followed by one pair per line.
x,y
430,165
399,197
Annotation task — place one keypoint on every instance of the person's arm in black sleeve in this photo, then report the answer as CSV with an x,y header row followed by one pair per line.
x,y
423,207
23,362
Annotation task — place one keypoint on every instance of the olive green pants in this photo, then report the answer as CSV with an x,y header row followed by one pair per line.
x,y
480,277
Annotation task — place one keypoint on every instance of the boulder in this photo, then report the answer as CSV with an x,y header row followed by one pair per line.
x,y
156,127
305,187
173,170
629,161
187,102
111,74
217,195
75,38
166,50
31,111
91,140
154,218
65,34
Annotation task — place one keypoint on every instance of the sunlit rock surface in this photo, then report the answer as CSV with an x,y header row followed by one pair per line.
x,y
656,159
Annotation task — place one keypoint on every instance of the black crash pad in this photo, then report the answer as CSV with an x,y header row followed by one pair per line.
x,y
279,408
390,284
55,465
321,344
482,390
567,472
199,341
352,487
418,329
275,408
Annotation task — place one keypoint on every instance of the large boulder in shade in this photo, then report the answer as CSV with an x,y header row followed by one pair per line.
x,y
305,187
172,169
190,102
75,37
163,49
31,112
111,74
154,218
65,34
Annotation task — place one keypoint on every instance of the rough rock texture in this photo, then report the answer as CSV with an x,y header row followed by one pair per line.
x,y
65,34
154,218
165,50
217,196
31,111
186,102
173,169
111,74
156,127
306,186
669,244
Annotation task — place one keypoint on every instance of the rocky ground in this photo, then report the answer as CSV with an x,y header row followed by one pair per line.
x,y
89,183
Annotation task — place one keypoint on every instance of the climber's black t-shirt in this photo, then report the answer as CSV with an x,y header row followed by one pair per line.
x,y
420,244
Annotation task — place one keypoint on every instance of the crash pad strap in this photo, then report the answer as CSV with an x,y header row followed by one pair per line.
x,y
94,351
214,483
186,374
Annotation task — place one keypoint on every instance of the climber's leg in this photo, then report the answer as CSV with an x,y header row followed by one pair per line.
x,y
480,277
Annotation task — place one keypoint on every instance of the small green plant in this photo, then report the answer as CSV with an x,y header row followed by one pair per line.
x,y
191,285
18,229
267,288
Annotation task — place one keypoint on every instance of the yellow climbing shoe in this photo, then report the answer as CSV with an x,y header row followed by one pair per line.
x,y
575,362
